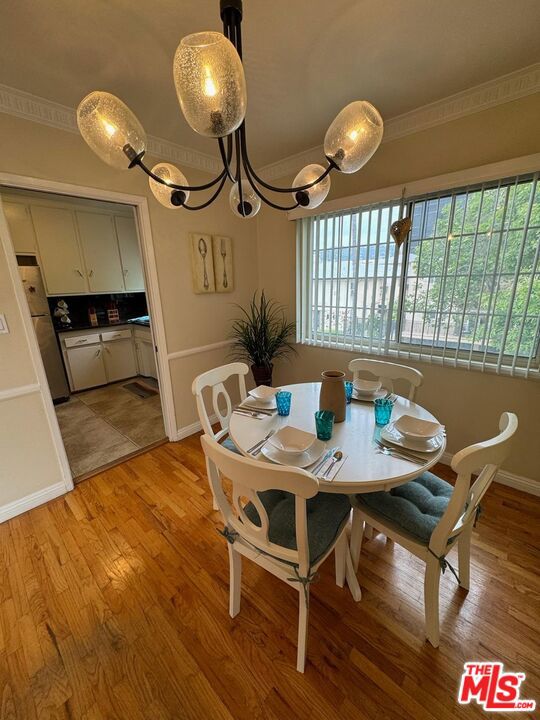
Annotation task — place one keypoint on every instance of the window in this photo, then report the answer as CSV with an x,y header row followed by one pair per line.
x,y
463,289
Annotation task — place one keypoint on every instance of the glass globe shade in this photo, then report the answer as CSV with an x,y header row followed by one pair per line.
x,y
108,126
251,201
210,84
354,135
172,176
317,194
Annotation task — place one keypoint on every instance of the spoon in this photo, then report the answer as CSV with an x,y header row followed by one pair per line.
x,y
336,457
203,250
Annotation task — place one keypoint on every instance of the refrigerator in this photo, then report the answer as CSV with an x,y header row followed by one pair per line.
x,y
39,310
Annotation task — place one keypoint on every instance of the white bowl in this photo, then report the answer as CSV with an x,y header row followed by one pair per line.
x,y
263,393
292,440
414,427
367,387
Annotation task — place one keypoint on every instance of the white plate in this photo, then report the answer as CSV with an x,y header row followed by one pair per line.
x,y
392,434
369,398
416,428
263,393
301,461
292,441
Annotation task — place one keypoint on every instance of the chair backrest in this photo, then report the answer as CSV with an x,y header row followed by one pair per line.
x,y
487,456
249,477
387,372
215,379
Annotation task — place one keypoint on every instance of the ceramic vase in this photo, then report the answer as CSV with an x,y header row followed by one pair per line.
x,y
333,394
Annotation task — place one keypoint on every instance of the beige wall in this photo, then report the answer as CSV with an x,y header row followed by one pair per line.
x,y
190,320
468,402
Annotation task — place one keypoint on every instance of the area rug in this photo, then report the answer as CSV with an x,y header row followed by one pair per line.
x,y
143,389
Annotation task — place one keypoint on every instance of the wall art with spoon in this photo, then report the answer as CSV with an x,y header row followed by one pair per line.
x,y
211,263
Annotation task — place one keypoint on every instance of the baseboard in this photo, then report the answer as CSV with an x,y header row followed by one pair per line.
x,y
31,501
195,427
518,482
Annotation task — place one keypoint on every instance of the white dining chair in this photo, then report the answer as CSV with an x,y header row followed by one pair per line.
x,y
387,372
279,520
428,516
222,405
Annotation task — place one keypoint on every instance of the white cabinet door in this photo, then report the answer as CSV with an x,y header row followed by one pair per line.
x,y
128,243
120,360
20,227
100,251
61,259
86,366
147,359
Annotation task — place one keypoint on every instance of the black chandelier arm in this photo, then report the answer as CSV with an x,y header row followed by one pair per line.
x,y
226,157
211,198
273,188
173,186
265,200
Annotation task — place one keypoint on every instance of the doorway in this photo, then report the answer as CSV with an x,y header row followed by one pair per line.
x,y
97,324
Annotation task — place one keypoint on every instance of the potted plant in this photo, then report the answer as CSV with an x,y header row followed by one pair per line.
x,y
262,335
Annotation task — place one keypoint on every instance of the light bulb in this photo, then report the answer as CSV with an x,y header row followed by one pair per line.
x,y
210,83
165,195
316,194
110,129
251,202
354,136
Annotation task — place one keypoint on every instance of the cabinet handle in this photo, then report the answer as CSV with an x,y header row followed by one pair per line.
x,y
78,271
98,353
90,273
126,272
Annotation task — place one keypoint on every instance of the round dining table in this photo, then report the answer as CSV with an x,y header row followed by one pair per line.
x,y
365,468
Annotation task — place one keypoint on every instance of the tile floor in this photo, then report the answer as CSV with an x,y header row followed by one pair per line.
x,y
102,425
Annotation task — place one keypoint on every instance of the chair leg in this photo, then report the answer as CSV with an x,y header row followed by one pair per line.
x,y
431,599
215,506
352,580
464,558
303,617
357,533
235,580
340,551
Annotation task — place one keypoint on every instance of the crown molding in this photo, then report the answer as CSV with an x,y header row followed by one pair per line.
x,y
506,88
46,112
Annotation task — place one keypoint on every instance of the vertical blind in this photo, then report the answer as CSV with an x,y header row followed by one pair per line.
x,y
463,290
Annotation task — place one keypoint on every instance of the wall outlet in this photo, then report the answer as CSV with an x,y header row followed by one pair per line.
x,y
3,324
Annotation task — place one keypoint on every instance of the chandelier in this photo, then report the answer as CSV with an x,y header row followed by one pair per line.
x,y
211,88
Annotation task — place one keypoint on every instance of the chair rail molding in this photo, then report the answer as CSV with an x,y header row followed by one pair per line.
x,y
498,91
19,390
47,112
200,349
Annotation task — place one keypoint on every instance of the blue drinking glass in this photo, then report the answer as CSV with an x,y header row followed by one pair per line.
x,y
348,391
324,424
283,402
383,411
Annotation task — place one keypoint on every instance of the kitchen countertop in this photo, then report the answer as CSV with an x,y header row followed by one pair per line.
x,y
87,326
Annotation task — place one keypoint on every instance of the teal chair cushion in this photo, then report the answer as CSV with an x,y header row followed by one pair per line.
x,y
416,506
228,443
326,513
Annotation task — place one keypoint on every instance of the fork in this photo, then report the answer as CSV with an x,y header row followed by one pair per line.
x,y
402,456
410,453
258,446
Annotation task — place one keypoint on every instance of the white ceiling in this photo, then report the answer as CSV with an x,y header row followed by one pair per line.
x,y
304,60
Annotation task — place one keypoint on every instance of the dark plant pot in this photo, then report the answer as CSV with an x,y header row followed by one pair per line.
x,y
262,374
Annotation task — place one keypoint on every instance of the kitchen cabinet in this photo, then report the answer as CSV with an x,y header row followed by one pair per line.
x,y
146,357
119,355
100,251
61,259
86,366
128,243
21,228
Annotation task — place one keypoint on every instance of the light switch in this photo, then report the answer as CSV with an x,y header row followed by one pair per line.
x,y
3,324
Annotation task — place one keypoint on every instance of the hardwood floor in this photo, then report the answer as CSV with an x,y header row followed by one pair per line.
x,y
114,604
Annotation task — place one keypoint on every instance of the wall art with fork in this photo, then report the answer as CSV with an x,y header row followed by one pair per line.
x,y
211,263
